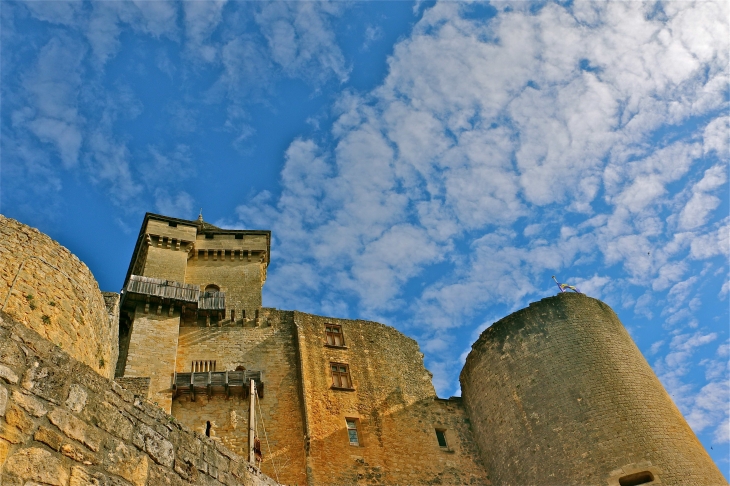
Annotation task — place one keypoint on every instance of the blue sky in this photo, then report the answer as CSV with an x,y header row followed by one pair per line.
x,y
426,165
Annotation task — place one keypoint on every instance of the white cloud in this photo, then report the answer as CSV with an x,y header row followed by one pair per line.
x,y
53,88
301,40
179,205
201,20
701,204
470,134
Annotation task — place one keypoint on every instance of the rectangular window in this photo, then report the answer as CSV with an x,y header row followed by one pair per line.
x,y
334,335
171,224
239,237
340,375
352,432
441,437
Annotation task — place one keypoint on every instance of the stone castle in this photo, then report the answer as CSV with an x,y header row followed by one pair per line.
x,y
152,386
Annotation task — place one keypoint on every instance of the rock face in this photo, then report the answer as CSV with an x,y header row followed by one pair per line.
x,y
45,286
558,393
64,425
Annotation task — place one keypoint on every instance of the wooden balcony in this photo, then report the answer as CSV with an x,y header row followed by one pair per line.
x,y
225,383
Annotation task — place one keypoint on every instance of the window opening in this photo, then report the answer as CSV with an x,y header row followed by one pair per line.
x,y
207,428
340,375
233,315
636,479
208,237
239,237
171,224
334,335
441,437
352,432
240,368
212,288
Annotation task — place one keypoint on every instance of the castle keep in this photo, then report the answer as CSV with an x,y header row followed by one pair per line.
x,y
556,393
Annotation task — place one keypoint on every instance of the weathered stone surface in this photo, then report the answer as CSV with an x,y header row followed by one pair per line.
x,y
11,354
76,398
126,462
17,417
78,453
50,381
35,464
8,375
53,407
558,393
76,428
50,437
29,403
159,449
82,476
109,418
54,283
3,400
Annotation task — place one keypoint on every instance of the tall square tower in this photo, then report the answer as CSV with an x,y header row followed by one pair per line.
x,y
182,273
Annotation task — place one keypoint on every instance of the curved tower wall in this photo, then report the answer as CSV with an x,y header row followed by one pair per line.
x,y
44,286
558,393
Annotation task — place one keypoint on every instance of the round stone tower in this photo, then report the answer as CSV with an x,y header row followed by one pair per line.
x,y
44,286
558,393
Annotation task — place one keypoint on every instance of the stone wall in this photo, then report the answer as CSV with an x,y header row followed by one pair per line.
x,y
165,263
56,295
62,424
269,349
239,279
152,348
559,394
393,403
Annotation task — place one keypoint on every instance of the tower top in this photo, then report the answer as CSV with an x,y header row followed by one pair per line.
x,y
192,235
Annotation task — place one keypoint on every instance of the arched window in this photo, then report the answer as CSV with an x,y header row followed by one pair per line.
x,y
212,288
240,368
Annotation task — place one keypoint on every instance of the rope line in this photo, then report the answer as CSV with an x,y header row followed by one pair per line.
x,y
268,446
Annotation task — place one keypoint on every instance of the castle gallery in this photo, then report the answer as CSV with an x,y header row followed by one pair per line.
x,y
157,384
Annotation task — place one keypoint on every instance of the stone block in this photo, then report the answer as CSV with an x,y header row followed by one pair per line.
x,y
17,417
8,374
158,448
76,398
109,418
76,429
29,403
3,400
51,438
127,462
36,464
49,382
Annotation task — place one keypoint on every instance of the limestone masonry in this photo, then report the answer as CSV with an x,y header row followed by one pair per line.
x,y
554,394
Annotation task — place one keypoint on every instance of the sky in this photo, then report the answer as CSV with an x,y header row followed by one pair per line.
x,y
427,165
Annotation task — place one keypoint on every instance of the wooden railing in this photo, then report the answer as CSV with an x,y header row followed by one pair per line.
x,y
217,382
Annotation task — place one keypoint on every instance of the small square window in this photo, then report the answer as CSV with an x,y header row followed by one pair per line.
x,y
340,376
334,335
441,437
352,433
